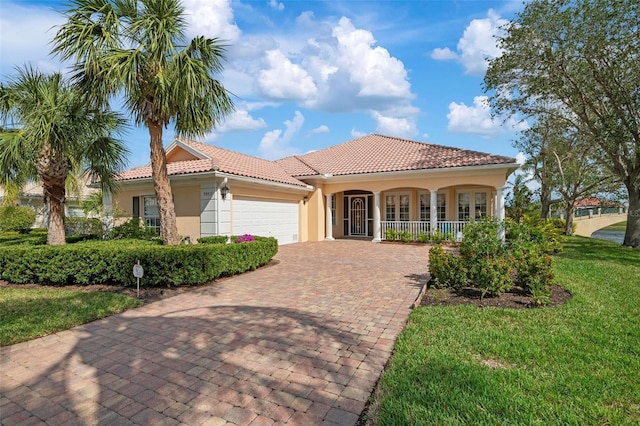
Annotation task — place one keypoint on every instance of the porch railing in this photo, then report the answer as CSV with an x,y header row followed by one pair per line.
x,y
450,230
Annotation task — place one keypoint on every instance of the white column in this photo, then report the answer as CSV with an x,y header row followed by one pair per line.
x,y
329,219
377,231
500,210
434,209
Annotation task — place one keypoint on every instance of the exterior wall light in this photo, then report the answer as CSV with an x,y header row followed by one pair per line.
x,y
305,199
224,191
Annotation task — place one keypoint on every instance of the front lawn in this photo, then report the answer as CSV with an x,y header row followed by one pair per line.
x,y
574,364
27,313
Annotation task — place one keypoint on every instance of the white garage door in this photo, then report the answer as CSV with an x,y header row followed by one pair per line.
x,y
277,219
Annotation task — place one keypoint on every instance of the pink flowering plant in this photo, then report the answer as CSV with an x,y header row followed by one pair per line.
x,y
246,238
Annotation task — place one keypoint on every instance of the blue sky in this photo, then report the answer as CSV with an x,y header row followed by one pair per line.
x,y
310,74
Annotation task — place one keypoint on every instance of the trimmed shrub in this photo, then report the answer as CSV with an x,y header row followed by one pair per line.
x,y
214,239
423,238
446,269
82,226
493,267
405,236
16,218
111,262
133,228
390,234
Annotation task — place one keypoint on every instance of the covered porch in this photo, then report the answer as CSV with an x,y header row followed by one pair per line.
x,y
381,215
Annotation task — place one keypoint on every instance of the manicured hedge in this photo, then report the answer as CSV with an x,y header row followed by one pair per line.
x,y
112,262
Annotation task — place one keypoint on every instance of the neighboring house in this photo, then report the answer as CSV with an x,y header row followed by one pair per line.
x,y
32,196
356,189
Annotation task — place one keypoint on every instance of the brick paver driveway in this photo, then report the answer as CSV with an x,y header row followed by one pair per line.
x,y
302,342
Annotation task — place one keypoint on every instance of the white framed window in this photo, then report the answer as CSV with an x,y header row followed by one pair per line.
x,y
333,209
397,207
442,207
424,212
74,211
150,212
472,205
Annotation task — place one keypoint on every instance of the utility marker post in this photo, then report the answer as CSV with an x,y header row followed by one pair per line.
x,y
138,272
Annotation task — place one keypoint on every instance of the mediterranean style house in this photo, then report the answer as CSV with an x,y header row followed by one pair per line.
x,y
357,189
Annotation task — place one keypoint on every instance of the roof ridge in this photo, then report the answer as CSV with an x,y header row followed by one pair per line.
x,y
297,157
234,152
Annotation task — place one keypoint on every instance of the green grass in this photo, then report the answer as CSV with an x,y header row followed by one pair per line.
x,y
27,313
577,364
620,226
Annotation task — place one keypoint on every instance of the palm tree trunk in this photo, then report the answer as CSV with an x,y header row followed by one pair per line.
x,y
52,169
54,196
162,186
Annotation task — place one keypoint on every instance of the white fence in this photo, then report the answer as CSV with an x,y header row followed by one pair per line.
x,y
451,230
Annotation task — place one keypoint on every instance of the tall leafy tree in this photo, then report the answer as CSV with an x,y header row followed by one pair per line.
x,y
137,49
49,132
577,60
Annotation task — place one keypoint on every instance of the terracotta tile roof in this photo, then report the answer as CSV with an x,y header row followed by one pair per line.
x,y
593,202
221,160
378,153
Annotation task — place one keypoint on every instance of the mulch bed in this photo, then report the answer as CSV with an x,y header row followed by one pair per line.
x,y
517,298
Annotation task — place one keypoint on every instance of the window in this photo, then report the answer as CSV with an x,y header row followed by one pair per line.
x,y
390,208
404,208
442,207
464,206
425,207
472,205
480,205
75,211
333,209
397,207
150,213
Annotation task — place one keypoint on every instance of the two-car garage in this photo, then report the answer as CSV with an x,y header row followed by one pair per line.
x,y
267,218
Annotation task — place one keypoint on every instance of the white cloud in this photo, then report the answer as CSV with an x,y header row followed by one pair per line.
x,y
373,68
357,133
476,45
284,79
211,18
275,143
276,5
25,32
521,158
443,54
402,127
240,119
477,119
318,130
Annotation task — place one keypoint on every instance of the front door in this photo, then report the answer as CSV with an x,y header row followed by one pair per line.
x,y
358,216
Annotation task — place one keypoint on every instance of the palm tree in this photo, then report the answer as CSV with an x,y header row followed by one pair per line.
x,y
50,131
137,49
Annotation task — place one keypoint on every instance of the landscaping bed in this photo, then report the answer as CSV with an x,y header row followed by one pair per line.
x,y
516,298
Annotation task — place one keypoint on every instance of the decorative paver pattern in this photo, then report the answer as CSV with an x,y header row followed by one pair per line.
x,y
299,343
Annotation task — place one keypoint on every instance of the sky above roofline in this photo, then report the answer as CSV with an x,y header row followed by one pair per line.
x,y
310,74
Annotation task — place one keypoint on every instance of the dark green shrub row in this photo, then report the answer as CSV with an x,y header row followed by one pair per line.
x,y
16,218
112,262
493,266
133,228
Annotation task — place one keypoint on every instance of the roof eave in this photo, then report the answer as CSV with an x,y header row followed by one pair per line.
x,y
213,173
508,167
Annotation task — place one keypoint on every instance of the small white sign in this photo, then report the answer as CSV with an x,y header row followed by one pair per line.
x,y
138,272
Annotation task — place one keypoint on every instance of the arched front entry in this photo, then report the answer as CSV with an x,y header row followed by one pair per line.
x,y
357,214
